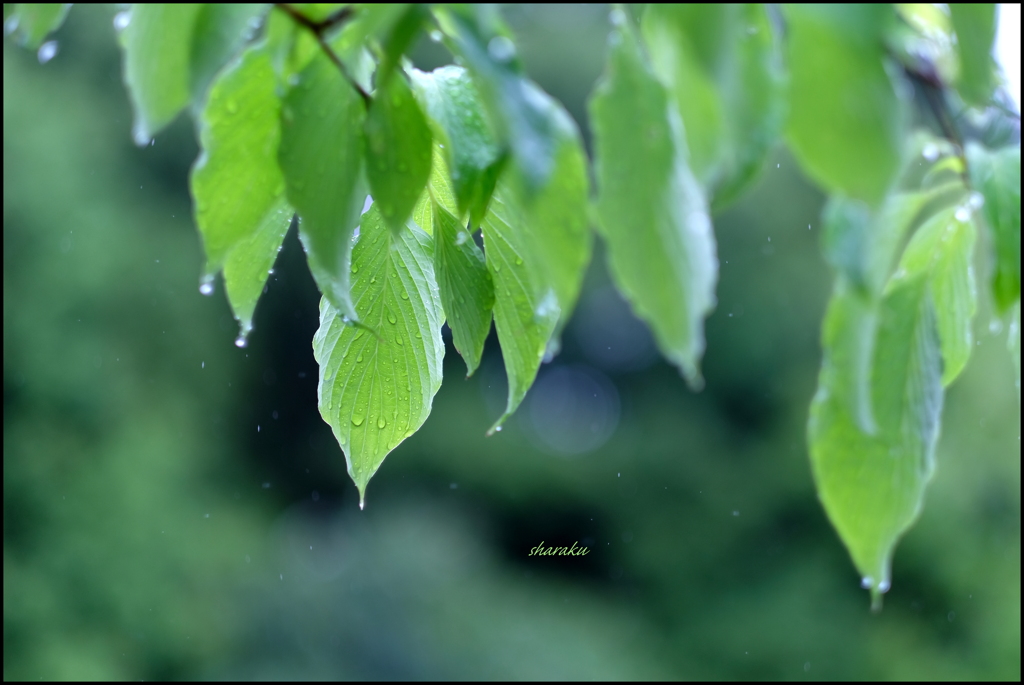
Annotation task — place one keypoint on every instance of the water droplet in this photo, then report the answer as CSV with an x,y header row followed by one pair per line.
x,y
995,326
359,359
617,17
11,25
373,279
405,295
355,269
436,36
47,51
461,237
206,286
398,339
357,420
519,262
498,428
232,107
867,582
930,152
122,19
391,317
240,341
963,214
501,49
883,586
497,267
381,422
976,201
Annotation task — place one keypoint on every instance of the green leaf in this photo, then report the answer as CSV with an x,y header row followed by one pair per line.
x,y
719,64
157,52
398,152
399,39
452,105
652,211
238,188
517,108
942,250
872,485
220,32
525,314
376,386
862,244
467,292
975,26
996,175
439,189
846,122
321,155
32,22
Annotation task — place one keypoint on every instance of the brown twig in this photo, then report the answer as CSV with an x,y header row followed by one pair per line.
x,y
319,29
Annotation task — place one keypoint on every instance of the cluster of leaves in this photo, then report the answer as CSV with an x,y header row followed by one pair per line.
x,y
313,110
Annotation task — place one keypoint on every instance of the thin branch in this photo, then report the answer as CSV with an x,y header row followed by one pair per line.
x,y
319,29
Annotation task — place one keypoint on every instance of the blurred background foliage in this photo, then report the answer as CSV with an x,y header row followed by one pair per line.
x,y
174,507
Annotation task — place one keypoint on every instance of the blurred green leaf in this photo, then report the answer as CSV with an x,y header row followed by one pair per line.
x,y
1013,342
399,39
975,26
157,52
872,485
719,64
377,385
397,151
450,100
518,109
996,174
846,122
942,251
220,32
467,292
237,185
30,23
652,212
525,315
321,155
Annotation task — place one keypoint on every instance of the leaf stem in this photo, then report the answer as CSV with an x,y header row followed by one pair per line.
x,y
319,29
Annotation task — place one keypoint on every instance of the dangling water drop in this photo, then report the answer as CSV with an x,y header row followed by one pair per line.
x,y
241,341
47,51
206,286
122,19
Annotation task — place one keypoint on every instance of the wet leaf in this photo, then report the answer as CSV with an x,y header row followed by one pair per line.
x,y
220,32
398,151
321,155
652,211
32,21
872,483
238,188
376,386
467,292
452,105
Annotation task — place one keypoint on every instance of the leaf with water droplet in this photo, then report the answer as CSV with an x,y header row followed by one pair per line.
x,y
454,112
996,174
237,185
651,210
872,484
328,204
219,33
462,275
942,251
398,144
361,391
34,21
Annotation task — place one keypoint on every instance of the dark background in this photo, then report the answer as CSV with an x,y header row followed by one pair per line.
x,y
174,507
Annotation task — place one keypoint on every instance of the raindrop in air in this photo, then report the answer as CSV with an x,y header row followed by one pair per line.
x,y
122,19
47,51
501,49
241,341
930,152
